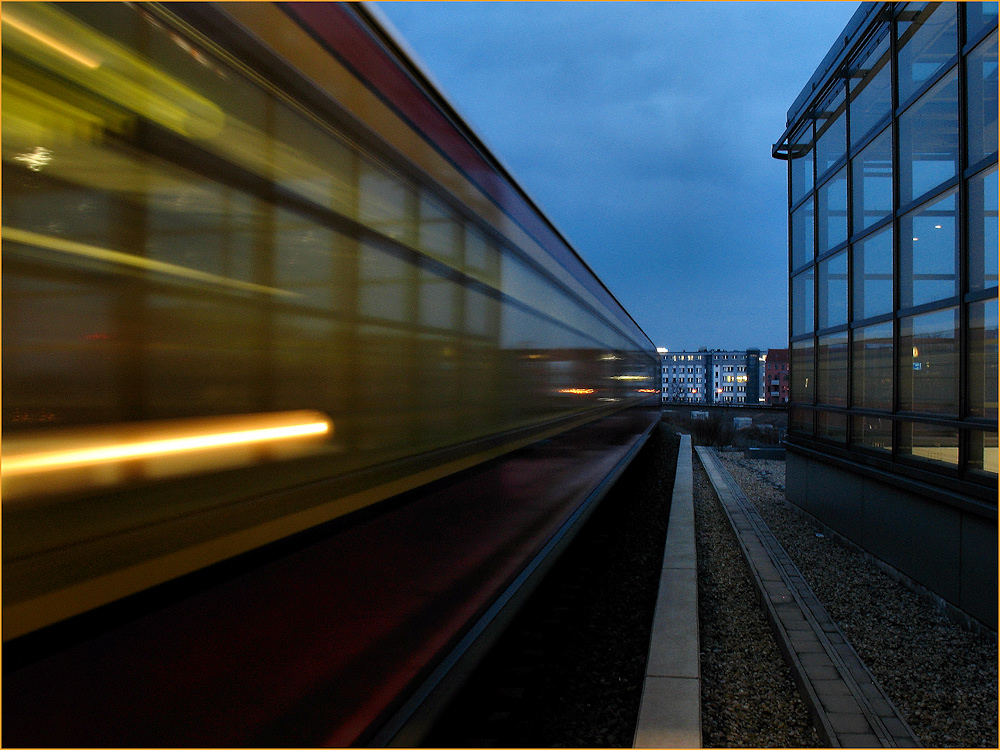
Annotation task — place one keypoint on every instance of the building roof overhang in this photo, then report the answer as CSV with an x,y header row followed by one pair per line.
x,y
855,31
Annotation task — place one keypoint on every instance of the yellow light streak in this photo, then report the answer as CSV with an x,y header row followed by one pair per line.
x,y
78,457
70,247
578,391
51,42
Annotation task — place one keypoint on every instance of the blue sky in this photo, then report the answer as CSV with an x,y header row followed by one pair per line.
x,y
644,132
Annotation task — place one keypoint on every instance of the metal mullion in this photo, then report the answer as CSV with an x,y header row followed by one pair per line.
x,y
897,170
963,244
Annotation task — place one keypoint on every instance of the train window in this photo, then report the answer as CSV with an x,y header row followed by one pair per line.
x,y
61,339
482,314
310,363
439,299
311,162
313,265
440,232
385,285
387,204
482,257
200,356
201,225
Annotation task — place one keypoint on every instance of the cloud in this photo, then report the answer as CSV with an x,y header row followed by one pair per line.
x,y
644,131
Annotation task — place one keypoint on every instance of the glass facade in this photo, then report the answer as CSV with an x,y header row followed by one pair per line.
x,y
893,245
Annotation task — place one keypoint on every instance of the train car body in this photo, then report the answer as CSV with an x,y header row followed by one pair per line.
x,y
280,336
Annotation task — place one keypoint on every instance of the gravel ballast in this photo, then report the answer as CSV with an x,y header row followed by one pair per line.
x,y
941,677
748,696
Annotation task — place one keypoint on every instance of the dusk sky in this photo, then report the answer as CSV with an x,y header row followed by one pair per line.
x,y
644,131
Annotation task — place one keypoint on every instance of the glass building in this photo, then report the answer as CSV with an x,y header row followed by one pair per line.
x,y
892,216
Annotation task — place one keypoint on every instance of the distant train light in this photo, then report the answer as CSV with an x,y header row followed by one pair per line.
x,y
76,458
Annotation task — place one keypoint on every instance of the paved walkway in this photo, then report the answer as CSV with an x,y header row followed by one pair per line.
x,y
670,711
848,707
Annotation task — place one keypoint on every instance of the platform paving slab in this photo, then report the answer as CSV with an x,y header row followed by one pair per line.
x,y
848,706
670,708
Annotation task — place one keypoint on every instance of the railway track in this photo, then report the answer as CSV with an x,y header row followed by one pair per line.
x,y
569,669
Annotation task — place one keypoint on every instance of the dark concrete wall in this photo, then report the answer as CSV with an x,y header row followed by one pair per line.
x,y
946,549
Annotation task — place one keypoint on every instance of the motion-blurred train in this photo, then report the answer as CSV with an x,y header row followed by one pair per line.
x,y
300,389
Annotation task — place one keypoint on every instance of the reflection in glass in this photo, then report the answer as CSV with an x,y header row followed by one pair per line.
x,y
871,91
831,132
802,302
928,253
983,371
831,376
803,247
979,16
983,241
831,220
871,432
926,44
929,442
832,290
832,426
871,369
982,99
800,420
800,153
928,140
983,452
872,182
802,383
928,362
873,275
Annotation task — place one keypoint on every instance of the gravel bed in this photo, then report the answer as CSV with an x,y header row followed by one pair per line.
x,y
941,677
748,696
569,670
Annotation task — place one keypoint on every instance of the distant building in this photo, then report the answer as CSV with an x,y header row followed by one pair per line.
x,y
683,377
892,216
712,377
734,377
776,377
